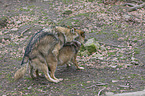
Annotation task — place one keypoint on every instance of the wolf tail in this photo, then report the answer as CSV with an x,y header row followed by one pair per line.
x,y
21,72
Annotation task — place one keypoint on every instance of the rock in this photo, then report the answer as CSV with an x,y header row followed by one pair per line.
x,y
115,81
126,17
48,29
128,65
84,53
124,86
5,37
30,87
114,59
132,58
103,48
25,8
14,29
91,45
109,93
18,22
138,93
113,66
67,12
135,62
98,56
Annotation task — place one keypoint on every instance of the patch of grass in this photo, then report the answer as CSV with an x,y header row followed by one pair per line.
x,y
19,58
32,12
21,9
135,41
136,50
115,35
111,53
134,75
9,78
77,21
31,6
90,0
28,78
142,78
140,37
13,44
44,13
66,1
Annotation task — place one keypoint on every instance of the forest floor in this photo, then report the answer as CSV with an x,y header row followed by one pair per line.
x,y
121,33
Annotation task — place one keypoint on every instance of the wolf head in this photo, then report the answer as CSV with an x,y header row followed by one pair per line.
x,y
71,33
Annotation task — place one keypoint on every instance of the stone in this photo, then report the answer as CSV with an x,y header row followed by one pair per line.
x,y
18,22
135,62
5,37
91,45
14,29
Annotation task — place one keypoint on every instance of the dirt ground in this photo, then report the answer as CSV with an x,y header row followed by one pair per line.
x,y
121,35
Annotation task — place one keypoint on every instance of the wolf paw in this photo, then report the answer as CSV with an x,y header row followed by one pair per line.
x,y
58,80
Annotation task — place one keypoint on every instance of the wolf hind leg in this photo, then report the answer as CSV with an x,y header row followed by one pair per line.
x,y
47,76
44,68
51,60
52,71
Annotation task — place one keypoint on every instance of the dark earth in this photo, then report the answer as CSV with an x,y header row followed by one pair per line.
x,y
122,34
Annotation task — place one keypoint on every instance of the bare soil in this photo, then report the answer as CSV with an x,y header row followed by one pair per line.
x,y
29,17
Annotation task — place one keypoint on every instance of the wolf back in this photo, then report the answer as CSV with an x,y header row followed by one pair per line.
x,y
42,38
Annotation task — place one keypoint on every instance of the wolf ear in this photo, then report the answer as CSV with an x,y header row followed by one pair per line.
x,y
73,30
68,26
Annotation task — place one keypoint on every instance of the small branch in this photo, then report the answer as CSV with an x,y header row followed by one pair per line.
x,y
136,7
99,84
101,91
112,45
129,4
23,32
109,2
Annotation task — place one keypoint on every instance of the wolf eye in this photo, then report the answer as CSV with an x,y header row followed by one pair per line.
x,y
72,30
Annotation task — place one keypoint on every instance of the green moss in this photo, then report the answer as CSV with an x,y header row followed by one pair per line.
x,y
136,50
31,6
19,58
111,53
91,48
90,0
21,9
67,12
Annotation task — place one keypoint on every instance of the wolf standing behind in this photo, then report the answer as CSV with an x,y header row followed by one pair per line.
x,y
42,50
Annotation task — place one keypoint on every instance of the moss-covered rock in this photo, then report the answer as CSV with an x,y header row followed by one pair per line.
x,y
92,45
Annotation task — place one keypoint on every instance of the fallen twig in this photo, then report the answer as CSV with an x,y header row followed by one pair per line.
x,y
99,84
101,91
129,4
134,7
112,45
23,32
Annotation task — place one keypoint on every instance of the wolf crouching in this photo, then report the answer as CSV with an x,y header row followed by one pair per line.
x,y
69,53
42,51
